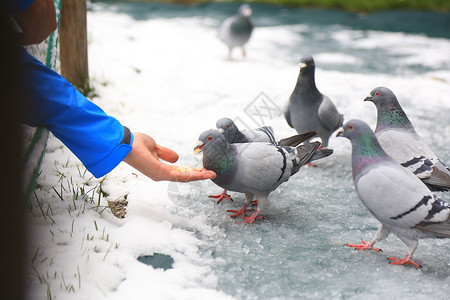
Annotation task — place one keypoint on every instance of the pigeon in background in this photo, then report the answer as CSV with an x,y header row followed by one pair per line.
x,y
255,169
398,138
309,110
236,30
234,135
263,134
399,200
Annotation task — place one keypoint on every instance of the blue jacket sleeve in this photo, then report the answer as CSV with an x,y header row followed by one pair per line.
x,y
98,140
16,6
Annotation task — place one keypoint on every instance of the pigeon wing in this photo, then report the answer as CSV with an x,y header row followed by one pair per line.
x,y
260,166
438,228
395,196
329,116
263,134
439,179
225,31
287,114
409,150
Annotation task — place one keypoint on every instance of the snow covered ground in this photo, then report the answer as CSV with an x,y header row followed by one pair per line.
x,y
162,70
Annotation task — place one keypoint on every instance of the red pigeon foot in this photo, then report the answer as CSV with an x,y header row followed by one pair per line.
x,y
252,218
221,196
406,261
364,246
242,211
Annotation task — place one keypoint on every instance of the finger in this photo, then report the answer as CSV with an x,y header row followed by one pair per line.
x,y
198,174
166,154
193,176
172,173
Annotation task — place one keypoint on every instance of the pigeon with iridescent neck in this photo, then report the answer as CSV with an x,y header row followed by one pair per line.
x,y
398,138
255,169
262,134
395,196
237,30
308,109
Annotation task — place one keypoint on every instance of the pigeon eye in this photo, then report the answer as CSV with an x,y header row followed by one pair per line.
x,y
377,93
351,127
210,138
228,125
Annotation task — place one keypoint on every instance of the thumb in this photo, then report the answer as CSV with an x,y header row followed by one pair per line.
x,y
166,154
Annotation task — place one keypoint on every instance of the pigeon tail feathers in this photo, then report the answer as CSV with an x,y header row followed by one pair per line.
x,y
439,229
304,155
295,140
438,181
321,154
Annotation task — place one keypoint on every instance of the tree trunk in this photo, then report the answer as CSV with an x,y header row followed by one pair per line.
x,y
73,42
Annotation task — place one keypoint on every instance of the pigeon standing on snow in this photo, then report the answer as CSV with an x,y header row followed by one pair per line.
x,y
255,169
309,110
398,199
398,138
236,30
263,134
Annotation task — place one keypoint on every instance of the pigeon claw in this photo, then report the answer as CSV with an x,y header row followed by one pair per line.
x,y
221,196
406,261
255,203
364,246
252,218
242,211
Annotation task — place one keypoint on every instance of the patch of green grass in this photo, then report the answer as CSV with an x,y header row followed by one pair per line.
x,y
368,6
73,195
87,89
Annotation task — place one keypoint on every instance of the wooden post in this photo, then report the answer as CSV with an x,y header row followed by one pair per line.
x,y
73,42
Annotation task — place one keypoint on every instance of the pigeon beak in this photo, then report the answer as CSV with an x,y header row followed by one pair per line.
x,y
198,147
368,98
302,65
340,132
220,130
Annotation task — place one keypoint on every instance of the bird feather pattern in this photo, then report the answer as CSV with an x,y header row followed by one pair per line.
x,y
255,169
400,140
407,149
263,134
329,116
408,203
308,109
396,197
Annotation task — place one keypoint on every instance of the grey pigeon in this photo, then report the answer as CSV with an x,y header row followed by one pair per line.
x,y
234,135
263,134
255,169
399,200
236,30
309,110
398,138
